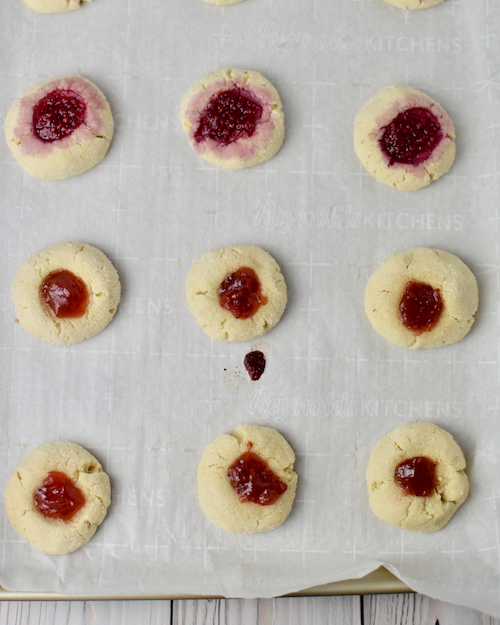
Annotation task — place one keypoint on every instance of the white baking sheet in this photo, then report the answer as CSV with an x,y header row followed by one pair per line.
x,y
148,393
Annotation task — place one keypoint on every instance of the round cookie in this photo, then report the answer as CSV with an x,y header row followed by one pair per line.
x,y
28,485
59,129
219,500
90,266
441,271
414,4
205,279
403,138
233,118
54,6
388,499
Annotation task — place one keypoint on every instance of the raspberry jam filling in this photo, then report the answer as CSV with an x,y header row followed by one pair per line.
x,y
411,136
58,114
255,363
230,115
57,497
420,307
416,476
65,294
240,293
253,480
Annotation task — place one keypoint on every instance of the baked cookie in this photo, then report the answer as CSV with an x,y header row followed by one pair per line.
x,y
416,479
246,482
422,298
66,293
236,293
233,118
414,4
57,497
403,138
54,6
59,129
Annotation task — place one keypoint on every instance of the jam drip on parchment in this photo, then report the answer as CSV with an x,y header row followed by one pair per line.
x,y
255,363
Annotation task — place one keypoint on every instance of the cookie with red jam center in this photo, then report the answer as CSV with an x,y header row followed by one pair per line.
x,y
57,497
403,138
422,297
59,129
246,481
236,293
66,293
416,478
233,118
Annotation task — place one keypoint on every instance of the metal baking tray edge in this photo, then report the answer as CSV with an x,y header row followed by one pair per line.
x,y
380,581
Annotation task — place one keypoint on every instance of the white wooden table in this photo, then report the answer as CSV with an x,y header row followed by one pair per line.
x,y
398,609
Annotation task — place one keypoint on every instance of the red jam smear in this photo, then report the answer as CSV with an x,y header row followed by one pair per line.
x,y
240,293
255,363
411,137
65,294
417,476
253,480
58,114
58,497
420,307
230,115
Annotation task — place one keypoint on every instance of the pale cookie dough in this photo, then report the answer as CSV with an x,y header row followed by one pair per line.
x,y
205,277
414,4
69,155
54,6
217,497
56,536
440,270
409,512
244,151
371,123
87,263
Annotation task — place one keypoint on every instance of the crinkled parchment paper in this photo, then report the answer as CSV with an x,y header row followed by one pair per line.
x,y
148,393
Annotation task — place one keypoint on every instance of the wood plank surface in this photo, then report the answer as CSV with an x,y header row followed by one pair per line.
x,y
415,609
402,609
294,611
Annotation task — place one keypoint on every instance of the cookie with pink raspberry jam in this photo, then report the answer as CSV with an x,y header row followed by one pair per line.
x,y
233,118
59,129
55,6
66,293
414,4
422,298
403,138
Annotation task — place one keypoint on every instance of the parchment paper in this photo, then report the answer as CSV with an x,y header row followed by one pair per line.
x,y
148,393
